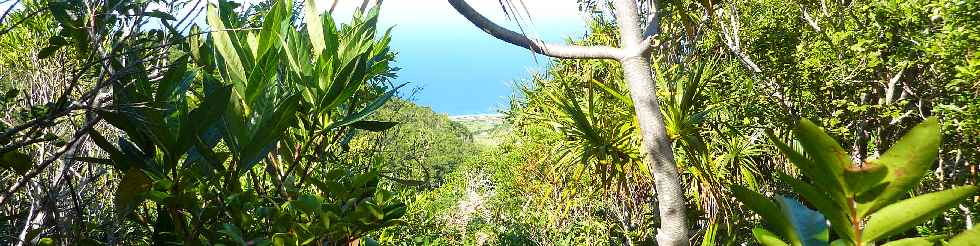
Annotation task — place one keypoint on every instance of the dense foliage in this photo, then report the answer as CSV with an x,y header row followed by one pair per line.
x,y
274,124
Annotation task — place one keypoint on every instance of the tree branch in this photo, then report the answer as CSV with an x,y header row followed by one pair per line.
x,y
731,38
653,23
534,45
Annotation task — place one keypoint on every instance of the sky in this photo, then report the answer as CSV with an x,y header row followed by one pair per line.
x,y
460,69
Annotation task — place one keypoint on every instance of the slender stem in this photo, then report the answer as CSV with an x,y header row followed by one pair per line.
x,y
855,221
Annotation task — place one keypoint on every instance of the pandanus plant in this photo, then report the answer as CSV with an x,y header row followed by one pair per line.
x,y
861,201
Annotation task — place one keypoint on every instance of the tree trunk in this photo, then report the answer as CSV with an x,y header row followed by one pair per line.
x,y
657,150
658,153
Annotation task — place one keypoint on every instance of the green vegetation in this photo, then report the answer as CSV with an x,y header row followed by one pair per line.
x,y
274,124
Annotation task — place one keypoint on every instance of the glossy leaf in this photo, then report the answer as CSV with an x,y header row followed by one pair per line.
x,y
364,113
967,238
839,220
810,225
826,153
771,214
898,217
268,132
767,238
907,162
915,241
862,178
314,27
820,174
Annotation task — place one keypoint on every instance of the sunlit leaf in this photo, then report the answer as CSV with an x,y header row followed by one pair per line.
x,y
900,216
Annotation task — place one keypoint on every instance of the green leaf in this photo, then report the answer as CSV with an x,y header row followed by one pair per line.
x,y
772,216
374,126
272,27
118,159
862,178
297,53
129,194
47,51
314,27
810,225
842,242
839,221
269,131
967,238
199,119
901,216
821,175
767,238
826,153
915,241
161,15
47,241
17,161
235,234
907,162
374,106
223,43
283,239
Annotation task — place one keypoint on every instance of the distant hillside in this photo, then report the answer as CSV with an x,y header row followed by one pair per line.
x,y
487,129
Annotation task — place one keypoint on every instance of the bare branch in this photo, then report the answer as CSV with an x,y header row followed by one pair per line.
x,y
534,45
333,5
809,20
731,37
653,23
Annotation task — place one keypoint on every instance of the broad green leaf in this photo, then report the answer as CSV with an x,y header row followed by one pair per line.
x,y
47,241
129,193
772,216
17,161
262,78
810,225
820,174
268,132
118,160
967,238
862,178
841,242
907,161
898,217
234,123
360,115
767,238
838,218
348,80
199,119
272,27
283,239
314,27
915,241
297,53
223,43
174,76
825,152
